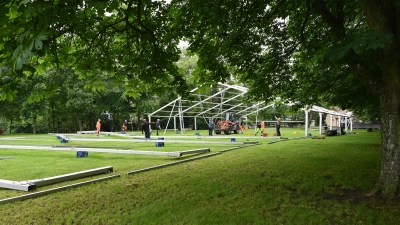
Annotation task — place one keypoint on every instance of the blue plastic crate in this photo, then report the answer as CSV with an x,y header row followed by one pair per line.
x,y
82,154
160,144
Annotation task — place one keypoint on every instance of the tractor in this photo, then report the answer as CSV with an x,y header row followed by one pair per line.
x,y
228,125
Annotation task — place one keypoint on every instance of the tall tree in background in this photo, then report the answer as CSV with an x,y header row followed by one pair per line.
x,y
343,52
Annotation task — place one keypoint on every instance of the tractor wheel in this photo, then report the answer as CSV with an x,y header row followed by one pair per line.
x,y
227,130
237,129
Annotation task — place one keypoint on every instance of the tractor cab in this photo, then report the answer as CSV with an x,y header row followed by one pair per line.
x,y
231,123
233,117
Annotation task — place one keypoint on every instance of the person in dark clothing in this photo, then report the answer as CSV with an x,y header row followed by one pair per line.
x,y
278,126
258,127
210,127
158,127
146,128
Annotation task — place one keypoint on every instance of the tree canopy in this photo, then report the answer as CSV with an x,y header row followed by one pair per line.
x,y
130,40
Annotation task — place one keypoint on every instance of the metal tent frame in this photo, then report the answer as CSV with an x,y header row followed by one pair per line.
x,y
225,99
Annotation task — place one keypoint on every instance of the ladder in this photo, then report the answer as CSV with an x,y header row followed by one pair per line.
x,y
181,116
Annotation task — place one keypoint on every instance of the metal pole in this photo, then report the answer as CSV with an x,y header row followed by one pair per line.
x,y
165,130
306,125
175,123
320,123
351,124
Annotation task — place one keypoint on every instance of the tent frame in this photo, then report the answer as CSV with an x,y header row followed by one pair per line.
x,y
229,104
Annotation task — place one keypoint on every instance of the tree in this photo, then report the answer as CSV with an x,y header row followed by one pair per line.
x,y
130,40
345,53
9,111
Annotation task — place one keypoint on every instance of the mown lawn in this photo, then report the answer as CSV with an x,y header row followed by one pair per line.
x,y
303,181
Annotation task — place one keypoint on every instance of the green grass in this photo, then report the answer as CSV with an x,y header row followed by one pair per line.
x,y
305,181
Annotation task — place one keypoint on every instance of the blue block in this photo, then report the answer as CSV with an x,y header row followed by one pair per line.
x,y
178,132
233,139
82,154
197,133
309,135
160,144
63,141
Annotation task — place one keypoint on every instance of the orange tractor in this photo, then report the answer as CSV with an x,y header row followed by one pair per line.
x,y
227,126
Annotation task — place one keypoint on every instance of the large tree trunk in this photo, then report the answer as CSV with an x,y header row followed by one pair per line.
x,y
11,120
388,184
139,126
79,121
34,124
52,114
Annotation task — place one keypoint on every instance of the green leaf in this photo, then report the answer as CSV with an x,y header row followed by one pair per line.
x,y
13,13
9,96
17,51
41,69
18,63
42,37
26,55
27,73
24,2
38,44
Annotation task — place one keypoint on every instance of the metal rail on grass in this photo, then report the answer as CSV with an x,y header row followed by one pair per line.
x,y
7,157
70,176
31,185
172,163
72,148
46,192
16,185
166,141
187,160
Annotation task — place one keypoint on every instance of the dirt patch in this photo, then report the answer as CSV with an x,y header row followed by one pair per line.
x,y
347,195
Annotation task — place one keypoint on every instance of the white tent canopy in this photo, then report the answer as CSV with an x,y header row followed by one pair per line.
x,y
347,117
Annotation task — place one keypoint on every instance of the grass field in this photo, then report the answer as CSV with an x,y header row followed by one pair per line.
x,y
303,181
